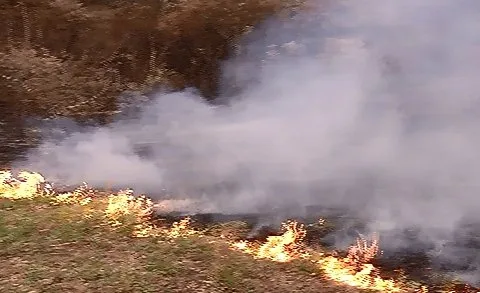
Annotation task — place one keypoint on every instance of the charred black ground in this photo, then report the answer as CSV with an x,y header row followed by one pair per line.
x,y
417,261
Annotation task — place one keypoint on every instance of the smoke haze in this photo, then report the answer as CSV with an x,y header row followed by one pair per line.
x,y
373,107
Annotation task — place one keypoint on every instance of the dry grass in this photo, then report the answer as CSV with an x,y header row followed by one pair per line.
x,y
87,241
83,241
68,57
56,248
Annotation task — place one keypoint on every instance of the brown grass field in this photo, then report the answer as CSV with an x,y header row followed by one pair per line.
x,y
48,248
91,241
73,58
64,243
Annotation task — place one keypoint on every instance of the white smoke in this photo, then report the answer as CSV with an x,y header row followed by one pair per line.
x,y
377,109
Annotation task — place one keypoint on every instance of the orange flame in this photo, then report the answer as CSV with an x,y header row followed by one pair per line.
x,y
178,229
283,248
362,252
81,195
181,228
26,186
30,185
354,270
124,203
365,278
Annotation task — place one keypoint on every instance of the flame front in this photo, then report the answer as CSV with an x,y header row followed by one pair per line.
x,y
122,208
355,269
178,229
283,248
81,195
26,186
125,203
30,185
181,228
141,208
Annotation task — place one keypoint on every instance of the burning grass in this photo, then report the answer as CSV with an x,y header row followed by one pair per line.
x,y
83,242
356,270
282,248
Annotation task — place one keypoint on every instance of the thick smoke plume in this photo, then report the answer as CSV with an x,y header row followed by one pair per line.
x,y
372,106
